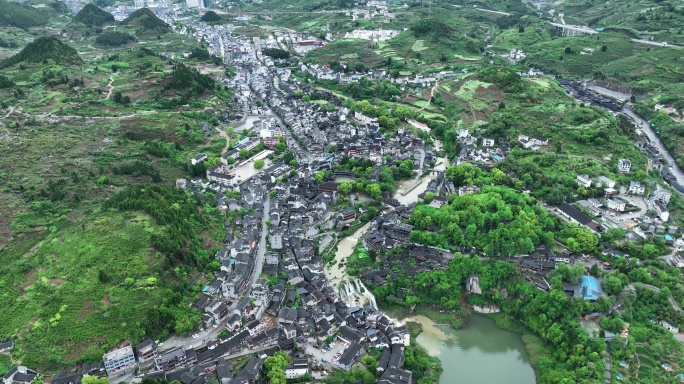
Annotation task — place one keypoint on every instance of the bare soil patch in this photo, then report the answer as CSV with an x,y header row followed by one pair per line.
x,y
84,309
105,300
57,282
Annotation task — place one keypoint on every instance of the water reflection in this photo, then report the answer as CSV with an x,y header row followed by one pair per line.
x,y
479,353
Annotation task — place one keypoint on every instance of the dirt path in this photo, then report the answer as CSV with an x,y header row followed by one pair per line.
x,y
85,307
105,300
11,109
32,250
432,94
225,135
111,87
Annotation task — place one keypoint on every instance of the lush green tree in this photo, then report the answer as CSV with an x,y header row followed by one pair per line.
x,y
612,284
210,16
259,163
88,379
374,190
274,367
346,187
276,53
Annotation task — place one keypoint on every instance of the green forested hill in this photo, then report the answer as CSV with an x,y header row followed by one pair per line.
x,y
20,16
89,285
42,49
5,82
145,21
91,15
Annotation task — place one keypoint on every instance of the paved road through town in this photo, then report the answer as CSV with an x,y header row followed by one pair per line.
x,y
261,251
648,131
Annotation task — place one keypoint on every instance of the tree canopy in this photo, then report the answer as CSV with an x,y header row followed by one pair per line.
x,y
210,16
114,38
91,15
42,49
274,367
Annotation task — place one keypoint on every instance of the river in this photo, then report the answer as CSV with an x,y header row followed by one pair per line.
x,y
478,353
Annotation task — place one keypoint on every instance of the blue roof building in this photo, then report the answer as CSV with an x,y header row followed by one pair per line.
x,y
588,288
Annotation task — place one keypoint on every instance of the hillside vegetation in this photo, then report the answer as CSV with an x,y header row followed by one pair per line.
x,y
81,290
145,21
44,49
91,15
20,16
114,39
87,260
5,82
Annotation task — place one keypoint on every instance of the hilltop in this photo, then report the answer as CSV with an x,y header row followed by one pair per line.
x,y
144,20
42,49
91,15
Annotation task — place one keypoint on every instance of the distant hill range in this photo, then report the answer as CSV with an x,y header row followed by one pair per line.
x,y
42,49
145,21
91,15
20,16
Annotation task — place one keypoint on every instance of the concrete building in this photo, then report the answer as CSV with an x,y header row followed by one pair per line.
x,y
146,352
664,198
607,183
624,166
584,180
636,187
119,359
616,204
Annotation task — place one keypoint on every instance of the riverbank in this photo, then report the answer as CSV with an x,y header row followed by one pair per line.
x,y
430,322
463,353
455,320
533,343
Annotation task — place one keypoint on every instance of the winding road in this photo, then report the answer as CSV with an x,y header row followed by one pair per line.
x,y
111,87
648,131
225,135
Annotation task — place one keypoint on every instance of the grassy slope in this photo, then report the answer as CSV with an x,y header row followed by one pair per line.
x,y
350,50
78,158
549,112
61,277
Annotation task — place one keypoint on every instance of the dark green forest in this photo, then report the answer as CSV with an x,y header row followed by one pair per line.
x,y
91,15
114,39
5,82
145,21
43,49
210,16
276,53
20,16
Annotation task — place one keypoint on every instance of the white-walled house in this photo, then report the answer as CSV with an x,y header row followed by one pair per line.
x,y
583,180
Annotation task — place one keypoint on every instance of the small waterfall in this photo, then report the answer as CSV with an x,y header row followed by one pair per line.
x,y
350,289
372,302
343,294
